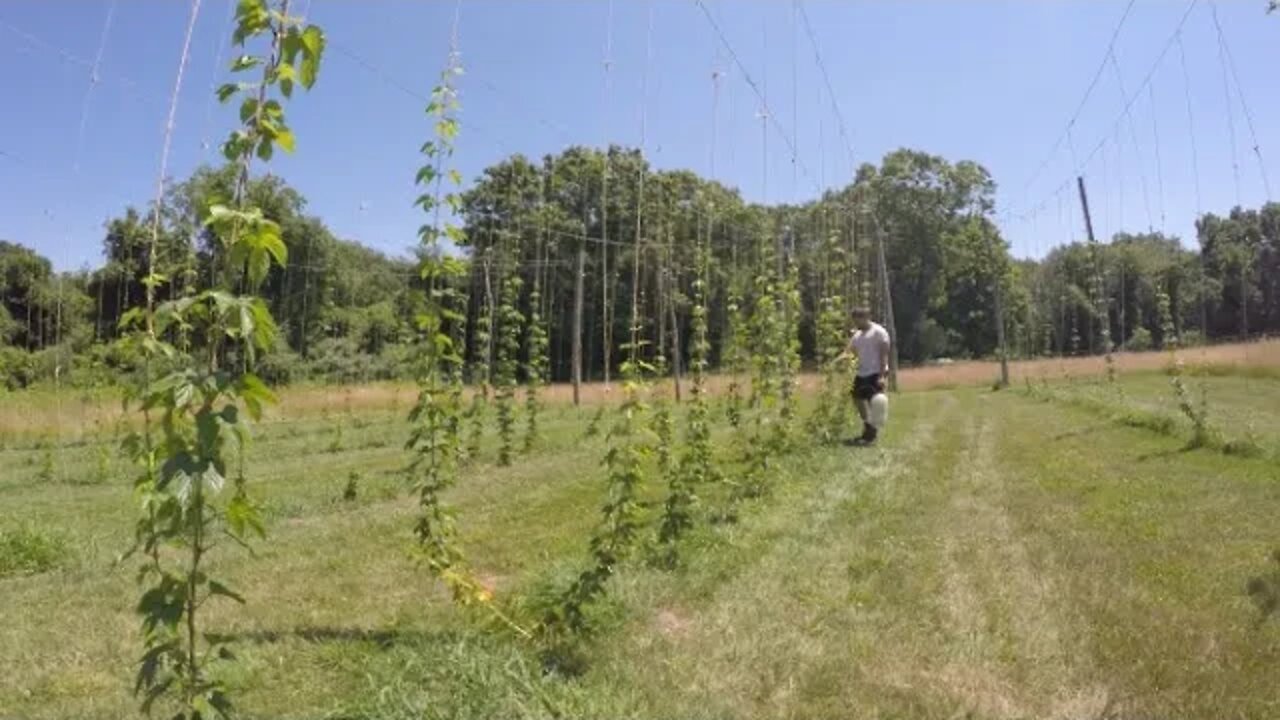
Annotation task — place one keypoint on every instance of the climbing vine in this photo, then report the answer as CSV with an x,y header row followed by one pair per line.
x,y
510,324
788,299
204,399
1196,412
536,343
828,421
1100,308
768,333
630,445
734,350
482,365
696,466
435,439
535,368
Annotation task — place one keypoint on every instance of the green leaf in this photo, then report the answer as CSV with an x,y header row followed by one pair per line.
x,y
201,708
313,41
425,175
245,62
225,92
285,72
273,110
252,18
229,415
264,325
290,47
255,394
183,394
284,138
131,317
247,108
220,702
242,516
455,177
273,244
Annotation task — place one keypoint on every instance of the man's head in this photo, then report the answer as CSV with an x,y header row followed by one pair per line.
x,y
862,317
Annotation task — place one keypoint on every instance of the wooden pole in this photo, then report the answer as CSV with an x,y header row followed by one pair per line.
x,y
577,321
1095,281
887,298
1001,341
1100,307
1000,334
672,287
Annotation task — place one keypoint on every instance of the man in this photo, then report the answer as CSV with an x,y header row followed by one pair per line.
x,y
870,343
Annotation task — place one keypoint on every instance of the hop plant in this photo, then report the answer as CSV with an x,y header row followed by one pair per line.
x,y
535,369
510,322
696,464
203,403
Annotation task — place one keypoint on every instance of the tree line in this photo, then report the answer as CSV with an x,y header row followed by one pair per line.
x,y
593,234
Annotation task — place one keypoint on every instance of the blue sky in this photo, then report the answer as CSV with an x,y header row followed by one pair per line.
x,y
994,82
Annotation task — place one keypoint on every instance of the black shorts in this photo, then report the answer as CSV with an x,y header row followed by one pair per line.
x,y
866,387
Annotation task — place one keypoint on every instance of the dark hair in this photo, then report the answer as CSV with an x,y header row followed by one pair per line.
x,y
861,311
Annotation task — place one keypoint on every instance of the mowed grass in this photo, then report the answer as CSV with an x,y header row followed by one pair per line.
x,y
1243,410
994,557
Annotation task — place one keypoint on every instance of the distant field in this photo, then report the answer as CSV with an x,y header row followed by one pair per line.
x,y
73,414
1255,356
996,557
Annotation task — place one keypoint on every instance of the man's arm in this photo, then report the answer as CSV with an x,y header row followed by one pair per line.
x,y
848,352
884,362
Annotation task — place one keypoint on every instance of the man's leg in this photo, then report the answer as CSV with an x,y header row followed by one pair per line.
x,y
863,404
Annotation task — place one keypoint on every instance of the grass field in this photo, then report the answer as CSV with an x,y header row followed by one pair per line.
x,y
995,557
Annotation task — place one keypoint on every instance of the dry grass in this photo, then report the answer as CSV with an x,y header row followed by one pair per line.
x,y
71,415
1261,354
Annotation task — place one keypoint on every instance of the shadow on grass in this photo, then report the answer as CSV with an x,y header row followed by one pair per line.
x,y
1264,590
1088,430
322,634
1165,454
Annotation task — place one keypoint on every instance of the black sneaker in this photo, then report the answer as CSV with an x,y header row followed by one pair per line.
x,y
869,435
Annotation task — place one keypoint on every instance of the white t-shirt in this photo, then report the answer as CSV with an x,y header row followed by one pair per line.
x,y
869,345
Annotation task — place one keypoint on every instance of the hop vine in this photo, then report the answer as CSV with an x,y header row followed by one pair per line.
x,y
481,368
621,522
696,464
435,419
828,420
510,323
204,400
